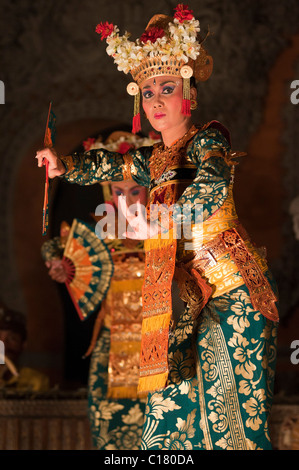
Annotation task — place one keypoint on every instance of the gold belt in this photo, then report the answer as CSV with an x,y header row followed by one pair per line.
x,y
232,241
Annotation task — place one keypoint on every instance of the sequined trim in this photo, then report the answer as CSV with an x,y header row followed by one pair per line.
x,y
125,313
261,294
126,170
166,157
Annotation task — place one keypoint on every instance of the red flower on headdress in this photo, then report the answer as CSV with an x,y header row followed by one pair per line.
x,y
88,143
152,34
105,29
183,13
154,135
124,147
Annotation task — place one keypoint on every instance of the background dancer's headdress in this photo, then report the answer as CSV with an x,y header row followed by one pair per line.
x,y
120,142
169,46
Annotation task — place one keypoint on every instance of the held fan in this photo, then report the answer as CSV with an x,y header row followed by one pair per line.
x,y
89,266
49,141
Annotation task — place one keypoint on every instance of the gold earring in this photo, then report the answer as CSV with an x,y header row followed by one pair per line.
x,y
193,104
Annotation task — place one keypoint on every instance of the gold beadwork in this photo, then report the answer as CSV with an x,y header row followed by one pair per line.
x,y
154,67
162,158
128,162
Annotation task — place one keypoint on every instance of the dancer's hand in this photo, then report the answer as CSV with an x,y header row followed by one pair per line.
x,y
56,167
57,270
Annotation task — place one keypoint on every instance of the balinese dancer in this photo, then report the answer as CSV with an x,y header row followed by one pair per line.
x,y
209,376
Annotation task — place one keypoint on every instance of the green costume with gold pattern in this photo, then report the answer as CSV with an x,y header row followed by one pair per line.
x,y
222,350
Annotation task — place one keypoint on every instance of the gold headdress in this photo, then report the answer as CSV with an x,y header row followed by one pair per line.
x,y
169,46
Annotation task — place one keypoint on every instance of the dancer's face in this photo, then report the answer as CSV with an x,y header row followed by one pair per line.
x,y
162,99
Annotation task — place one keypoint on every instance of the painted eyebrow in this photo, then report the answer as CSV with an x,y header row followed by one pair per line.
x,y
161,84
121,189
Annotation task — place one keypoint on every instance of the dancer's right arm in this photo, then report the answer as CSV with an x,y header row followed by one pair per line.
x,y
99,165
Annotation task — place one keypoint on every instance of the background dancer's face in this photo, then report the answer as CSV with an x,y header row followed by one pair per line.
x,y
133,192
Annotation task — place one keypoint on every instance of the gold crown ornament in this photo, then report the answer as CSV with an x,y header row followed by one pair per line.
x,y
168,46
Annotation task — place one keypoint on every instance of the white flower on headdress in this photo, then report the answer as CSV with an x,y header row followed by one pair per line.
x,y
179,41
190,49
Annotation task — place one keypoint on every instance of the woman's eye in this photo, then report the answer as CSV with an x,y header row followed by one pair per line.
x,y
167,90
118,192
135,192
147,94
